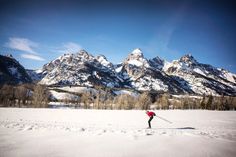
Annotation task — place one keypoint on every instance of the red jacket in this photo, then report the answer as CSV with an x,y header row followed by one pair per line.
x,y
150,114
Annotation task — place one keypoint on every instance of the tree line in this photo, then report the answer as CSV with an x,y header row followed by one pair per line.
x,y
24,95
164,101
38,96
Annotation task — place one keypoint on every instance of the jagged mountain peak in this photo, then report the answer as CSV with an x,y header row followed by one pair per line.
x,y
103,60
82,52
188,58
137,52
85,54
185,63
136,58
157,62
81,56
101,57
10,56
185,75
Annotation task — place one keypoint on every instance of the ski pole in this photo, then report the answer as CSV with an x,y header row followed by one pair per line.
x,y
164,119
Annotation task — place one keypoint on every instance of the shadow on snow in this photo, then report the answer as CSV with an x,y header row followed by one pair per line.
x,y
182,128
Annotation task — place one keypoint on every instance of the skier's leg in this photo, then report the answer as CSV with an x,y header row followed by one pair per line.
x,y
149,121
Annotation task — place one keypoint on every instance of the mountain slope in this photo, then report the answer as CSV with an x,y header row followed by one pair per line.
x,y
12,72
147,75
202,78
182,76
80,69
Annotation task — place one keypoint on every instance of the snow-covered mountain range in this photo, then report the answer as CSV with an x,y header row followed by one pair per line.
x,y
81,69
201,78
185,75
182,76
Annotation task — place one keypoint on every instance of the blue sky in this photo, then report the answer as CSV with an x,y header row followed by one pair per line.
x,y
36,32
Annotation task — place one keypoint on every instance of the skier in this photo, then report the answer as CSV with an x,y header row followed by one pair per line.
x,y
150,114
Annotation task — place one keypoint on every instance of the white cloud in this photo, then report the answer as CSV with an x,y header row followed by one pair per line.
x,y
32,56
70,47
25,45
22,44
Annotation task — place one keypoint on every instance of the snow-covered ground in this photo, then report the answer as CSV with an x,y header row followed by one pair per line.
x,y
112,133
63,96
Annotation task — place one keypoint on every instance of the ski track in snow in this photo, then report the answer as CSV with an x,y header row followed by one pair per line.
x,y
23,125
26,132
219,132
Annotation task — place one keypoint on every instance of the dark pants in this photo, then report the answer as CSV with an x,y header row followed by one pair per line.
x,y
149,121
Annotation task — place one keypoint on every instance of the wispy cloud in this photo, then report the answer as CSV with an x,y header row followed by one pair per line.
x,y
25,45
33,57
70,47
22,44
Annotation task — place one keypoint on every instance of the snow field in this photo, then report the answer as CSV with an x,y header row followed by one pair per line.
x,y
71,132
